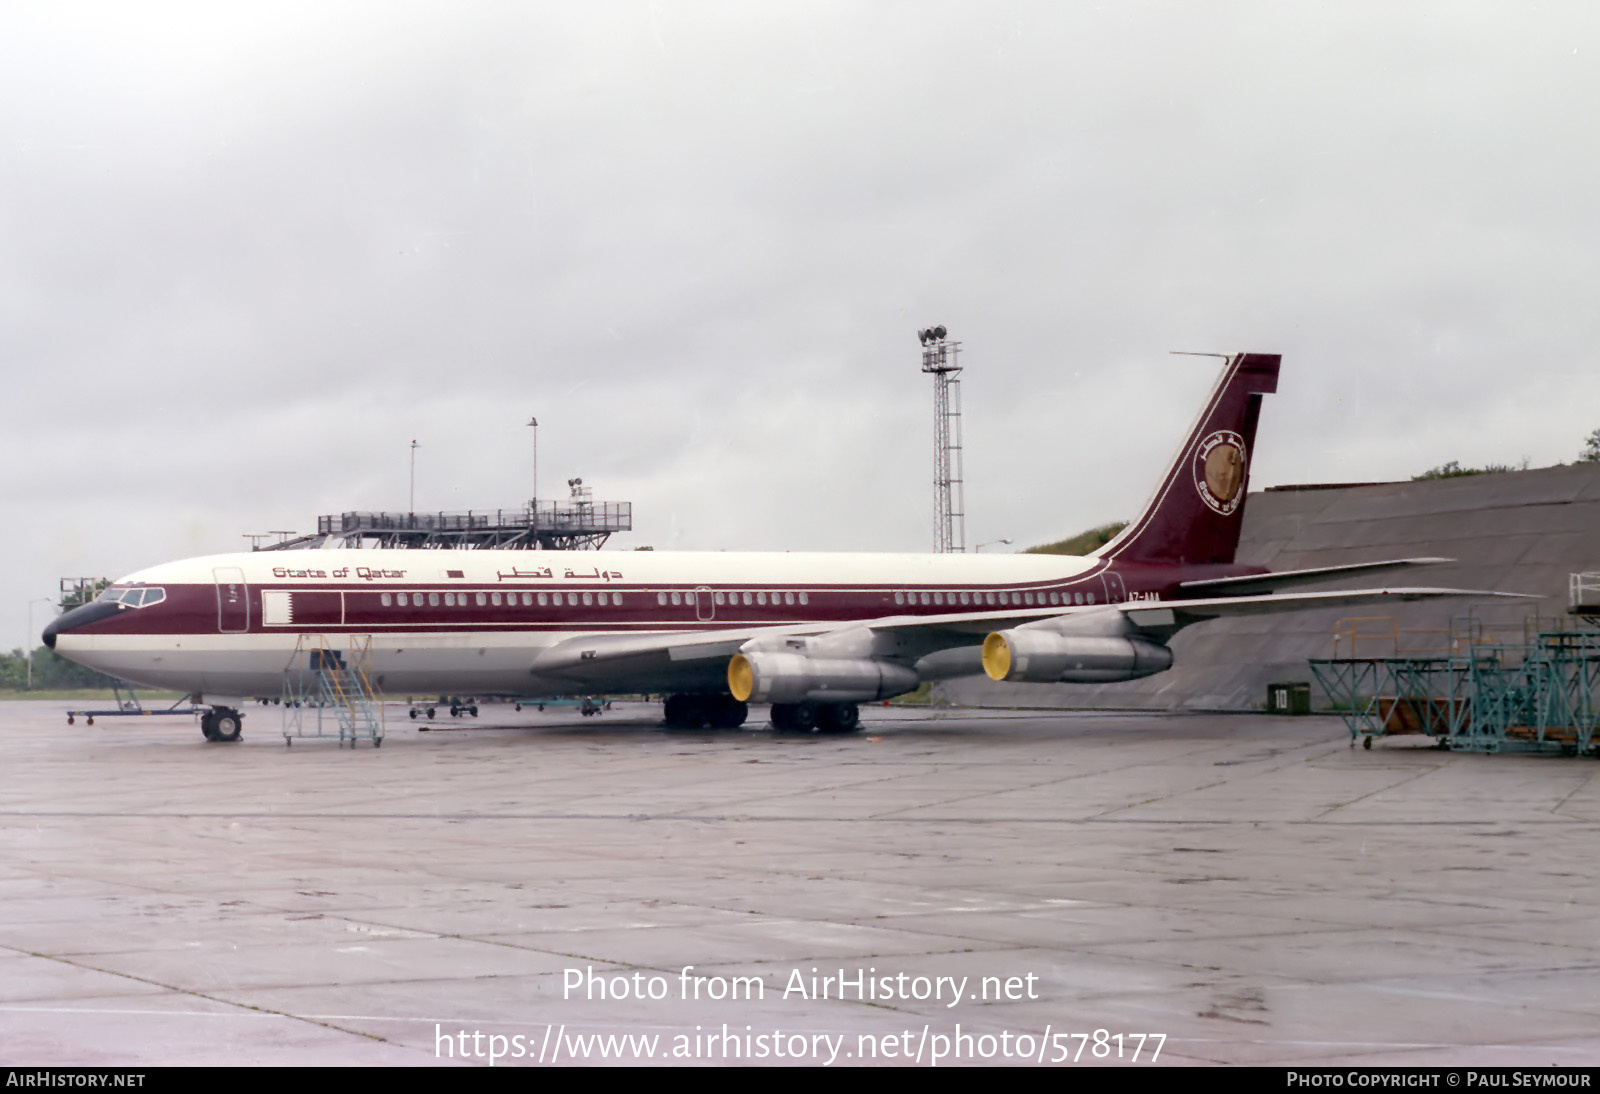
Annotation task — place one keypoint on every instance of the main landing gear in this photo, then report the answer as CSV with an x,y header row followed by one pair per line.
x,y
701,711
822,717
221,724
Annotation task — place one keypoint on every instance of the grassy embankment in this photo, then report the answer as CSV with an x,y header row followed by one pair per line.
x,y
1080,544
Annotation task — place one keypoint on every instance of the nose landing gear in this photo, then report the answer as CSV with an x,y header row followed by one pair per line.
x,y
222,724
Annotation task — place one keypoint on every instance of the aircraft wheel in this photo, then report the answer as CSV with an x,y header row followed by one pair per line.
x,y
795,717
1366,743
226,725
69,719
840,718
430,712
413,714
729,713
473,711
208,725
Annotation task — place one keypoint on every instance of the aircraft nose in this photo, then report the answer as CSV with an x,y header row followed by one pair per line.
x,y
77,617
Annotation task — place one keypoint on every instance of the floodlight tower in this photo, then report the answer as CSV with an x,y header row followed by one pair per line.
x,y
939,358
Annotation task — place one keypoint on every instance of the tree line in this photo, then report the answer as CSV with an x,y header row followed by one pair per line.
x,y
51,672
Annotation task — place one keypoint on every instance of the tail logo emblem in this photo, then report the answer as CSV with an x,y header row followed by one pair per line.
x,y
1219,471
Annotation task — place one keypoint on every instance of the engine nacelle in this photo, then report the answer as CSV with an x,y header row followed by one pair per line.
x,y
763,676
1045,657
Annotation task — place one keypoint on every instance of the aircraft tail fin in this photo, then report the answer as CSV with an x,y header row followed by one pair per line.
x,y
1195,514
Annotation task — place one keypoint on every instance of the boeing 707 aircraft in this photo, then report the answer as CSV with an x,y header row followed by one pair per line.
x,y
812,634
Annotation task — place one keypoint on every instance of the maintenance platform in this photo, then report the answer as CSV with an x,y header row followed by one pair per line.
x,y
547,526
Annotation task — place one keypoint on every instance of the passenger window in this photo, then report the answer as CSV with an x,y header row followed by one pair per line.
x,y
803,598
387,599
588,600
433,600
482,600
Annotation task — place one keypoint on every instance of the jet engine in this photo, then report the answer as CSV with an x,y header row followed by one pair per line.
x,y
1047,657
763,676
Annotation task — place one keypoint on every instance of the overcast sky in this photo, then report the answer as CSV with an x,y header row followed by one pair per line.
x,y
248,253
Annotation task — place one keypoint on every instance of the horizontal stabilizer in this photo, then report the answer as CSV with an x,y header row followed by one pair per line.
x,y
1167,613
1284,579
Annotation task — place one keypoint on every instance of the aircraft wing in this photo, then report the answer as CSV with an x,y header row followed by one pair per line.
x,y
1282,579
612,660
664,660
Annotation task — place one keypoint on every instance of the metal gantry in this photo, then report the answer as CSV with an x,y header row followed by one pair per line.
x,y
551,526
940,359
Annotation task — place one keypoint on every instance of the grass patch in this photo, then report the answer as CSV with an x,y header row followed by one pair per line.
x,y
87,695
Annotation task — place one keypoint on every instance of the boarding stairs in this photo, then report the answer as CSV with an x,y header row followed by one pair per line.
x,y
327,691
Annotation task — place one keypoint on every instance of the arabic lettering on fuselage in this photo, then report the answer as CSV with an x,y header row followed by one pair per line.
x,y
525,575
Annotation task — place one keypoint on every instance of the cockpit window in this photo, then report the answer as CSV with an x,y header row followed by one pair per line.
x,y
141,597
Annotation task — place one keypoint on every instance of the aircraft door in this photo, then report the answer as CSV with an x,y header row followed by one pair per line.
x,y
704,609
1116,592
233,600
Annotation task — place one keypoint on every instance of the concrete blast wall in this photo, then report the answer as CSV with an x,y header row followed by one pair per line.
x,y
1522,531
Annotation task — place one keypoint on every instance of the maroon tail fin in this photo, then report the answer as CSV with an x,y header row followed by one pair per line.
x,y
1195,514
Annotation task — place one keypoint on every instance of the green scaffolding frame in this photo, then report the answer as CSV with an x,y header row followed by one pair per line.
x,y
1542,693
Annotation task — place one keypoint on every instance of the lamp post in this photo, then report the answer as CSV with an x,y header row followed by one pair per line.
x,y
412,507
533,424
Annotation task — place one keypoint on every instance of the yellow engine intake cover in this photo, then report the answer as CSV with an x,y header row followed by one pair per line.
x,y
997,656
741,677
